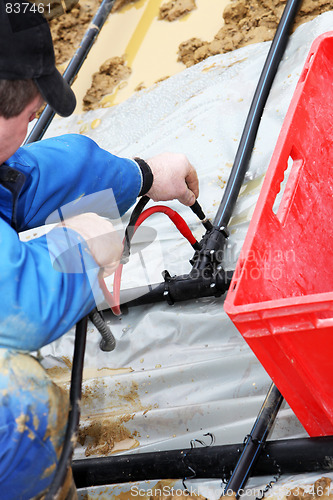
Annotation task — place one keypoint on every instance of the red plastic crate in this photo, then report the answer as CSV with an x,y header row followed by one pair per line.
x,y
281,296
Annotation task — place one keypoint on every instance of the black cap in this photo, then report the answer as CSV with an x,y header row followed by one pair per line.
x,y
26,52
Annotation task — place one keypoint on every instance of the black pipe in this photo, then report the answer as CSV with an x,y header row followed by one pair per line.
x,y
291,456
74,66
249,134
255,441
74,412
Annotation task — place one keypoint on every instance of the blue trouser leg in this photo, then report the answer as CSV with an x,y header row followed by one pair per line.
x,y
33,419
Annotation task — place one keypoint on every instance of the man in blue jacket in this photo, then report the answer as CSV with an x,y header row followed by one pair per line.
x,y
41,301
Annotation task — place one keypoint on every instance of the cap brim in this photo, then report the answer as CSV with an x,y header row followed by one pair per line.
x,y
57,93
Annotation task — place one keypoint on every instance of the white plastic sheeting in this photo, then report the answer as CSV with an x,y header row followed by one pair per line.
x,y
191,369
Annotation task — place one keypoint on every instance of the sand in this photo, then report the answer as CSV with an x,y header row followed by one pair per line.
x,y
174,9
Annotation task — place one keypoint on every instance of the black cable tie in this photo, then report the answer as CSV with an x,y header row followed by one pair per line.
x,y
247,438
212,437
194,475
166,294
193,446
275,479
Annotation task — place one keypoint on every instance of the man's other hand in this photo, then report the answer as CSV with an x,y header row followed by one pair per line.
x,y
101,237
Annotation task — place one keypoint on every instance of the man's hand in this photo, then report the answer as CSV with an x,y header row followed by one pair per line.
x,y
174,178
102,239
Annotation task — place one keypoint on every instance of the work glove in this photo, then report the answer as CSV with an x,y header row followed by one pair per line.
x,y
174,178
101,237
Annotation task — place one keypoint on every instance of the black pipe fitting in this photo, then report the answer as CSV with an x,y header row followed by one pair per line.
x,y
211,253
199,283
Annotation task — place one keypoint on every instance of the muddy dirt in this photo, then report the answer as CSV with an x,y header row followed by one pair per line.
x,y
246,22
111,73
175,9
101,436
68,29
105,432
119,4
102,431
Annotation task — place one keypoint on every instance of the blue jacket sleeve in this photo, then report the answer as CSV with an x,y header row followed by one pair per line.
x,y
62,170
41,297
40,300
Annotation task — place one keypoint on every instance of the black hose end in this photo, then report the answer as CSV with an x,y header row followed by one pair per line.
x,y
207,224
107,345
196,246
197,210
108,342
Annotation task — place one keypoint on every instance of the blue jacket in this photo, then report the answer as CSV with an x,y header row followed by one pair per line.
x,y
39,303
41,183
